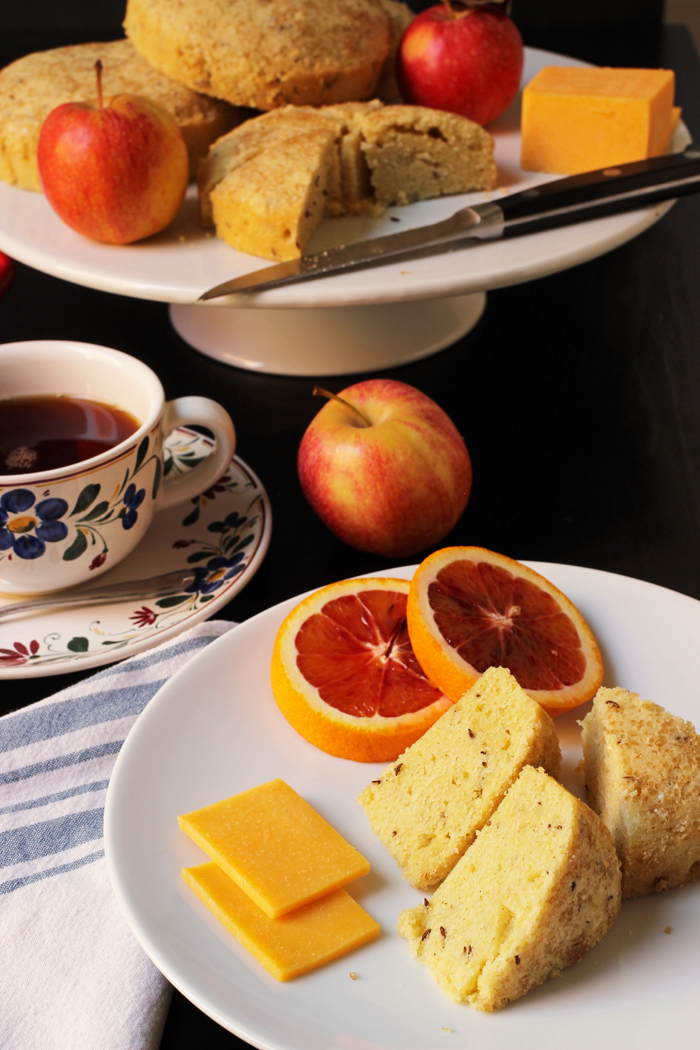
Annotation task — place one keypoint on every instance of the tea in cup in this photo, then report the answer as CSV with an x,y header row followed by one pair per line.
x,y
81,460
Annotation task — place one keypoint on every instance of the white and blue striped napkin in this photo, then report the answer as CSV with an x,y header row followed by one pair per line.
x,y
72,975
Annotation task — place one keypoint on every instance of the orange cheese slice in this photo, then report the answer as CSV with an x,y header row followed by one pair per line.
x,y
278,849
580,119
293,944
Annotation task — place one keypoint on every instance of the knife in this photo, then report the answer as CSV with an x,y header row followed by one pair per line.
x,y
561,202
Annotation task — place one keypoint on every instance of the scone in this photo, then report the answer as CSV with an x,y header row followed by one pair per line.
x,y
428,807
642,769
539,887
265,53
34,85
414,153
267,185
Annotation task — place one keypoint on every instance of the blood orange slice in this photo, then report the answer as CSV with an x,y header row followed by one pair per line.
x,y
345,676
469,609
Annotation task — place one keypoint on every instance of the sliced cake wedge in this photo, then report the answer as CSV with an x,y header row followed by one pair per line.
x,y
267,185
429,805
642,769
539,887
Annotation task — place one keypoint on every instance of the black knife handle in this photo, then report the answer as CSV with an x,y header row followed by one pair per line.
x,y
616,188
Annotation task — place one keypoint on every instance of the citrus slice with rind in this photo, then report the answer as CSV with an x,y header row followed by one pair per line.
x,y
470,609
345,676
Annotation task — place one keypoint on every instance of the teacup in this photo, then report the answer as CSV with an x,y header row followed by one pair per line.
x,y
61,527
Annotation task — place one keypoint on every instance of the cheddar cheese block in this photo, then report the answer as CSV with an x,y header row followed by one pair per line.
x,y
581,119
292,944
278,849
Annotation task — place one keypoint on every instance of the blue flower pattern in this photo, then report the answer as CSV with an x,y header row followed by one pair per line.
x,y
27,531
132,501
218,570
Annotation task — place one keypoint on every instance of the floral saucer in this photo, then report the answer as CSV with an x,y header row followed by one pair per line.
x,y
223,534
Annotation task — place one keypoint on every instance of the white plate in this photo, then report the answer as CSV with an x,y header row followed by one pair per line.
x,y
182,262
56,641
214,730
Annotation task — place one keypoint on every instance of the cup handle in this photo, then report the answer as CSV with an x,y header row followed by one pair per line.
x,y
207,413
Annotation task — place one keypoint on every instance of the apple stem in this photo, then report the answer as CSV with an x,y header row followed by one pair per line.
x,y
318,390
450,10
98,74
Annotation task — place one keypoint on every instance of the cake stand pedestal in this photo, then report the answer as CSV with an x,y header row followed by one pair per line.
x,y
336,340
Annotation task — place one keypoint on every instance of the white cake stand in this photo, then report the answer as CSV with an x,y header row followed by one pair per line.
x,y
369,320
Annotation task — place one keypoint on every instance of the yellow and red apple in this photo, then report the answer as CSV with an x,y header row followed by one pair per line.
x,y
115,173
385,468
467,61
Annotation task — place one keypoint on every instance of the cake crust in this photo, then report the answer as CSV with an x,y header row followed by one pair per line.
x,y
34,85
265,53
642,770
364,157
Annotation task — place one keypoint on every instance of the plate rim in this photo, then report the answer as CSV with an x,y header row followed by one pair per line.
x,y
123,892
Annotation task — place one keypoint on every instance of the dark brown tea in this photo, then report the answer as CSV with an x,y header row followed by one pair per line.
x,y
48,431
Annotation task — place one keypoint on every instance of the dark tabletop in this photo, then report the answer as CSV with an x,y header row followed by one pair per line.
x,y
578,396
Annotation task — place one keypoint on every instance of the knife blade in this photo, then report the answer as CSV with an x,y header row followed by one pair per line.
x,y
560,202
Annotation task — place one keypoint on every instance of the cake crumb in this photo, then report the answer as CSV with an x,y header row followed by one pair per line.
x,y
445,1029
667,929
353,975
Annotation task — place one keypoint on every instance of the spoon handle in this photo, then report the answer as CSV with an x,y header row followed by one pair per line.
x,y
115,592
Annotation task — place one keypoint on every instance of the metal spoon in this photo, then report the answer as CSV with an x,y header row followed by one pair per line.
x,y
111,592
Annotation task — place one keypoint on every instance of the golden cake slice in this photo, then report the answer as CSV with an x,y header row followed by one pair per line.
x,y
539,887
265,53
642,769
428,807
414,153
267,184
34,85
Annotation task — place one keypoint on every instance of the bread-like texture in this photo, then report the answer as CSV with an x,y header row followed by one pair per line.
x,y
642,770
34,85
414,153
269,182
428,807
401,17
265,53
260,184
539,887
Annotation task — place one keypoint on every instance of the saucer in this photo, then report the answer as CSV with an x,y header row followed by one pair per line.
x,y
223,534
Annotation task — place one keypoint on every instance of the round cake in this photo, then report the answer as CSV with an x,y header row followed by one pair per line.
x,y
34,85
265,53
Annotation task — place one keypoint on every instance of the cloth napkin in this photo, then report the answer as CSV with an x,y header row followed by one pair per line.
x,y
72,975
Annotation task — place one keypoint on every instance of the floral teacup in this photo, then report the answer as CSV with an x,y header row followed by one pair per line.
x,y
61,527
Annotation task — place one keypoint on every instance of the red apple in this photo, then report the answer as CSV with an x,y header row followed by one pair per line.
x,y
385,468
115,173
467,61
7,273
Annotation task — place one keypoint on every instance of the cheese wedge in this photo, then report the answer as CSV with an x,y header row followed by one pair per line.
x,y
580,119
293,944
278,849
